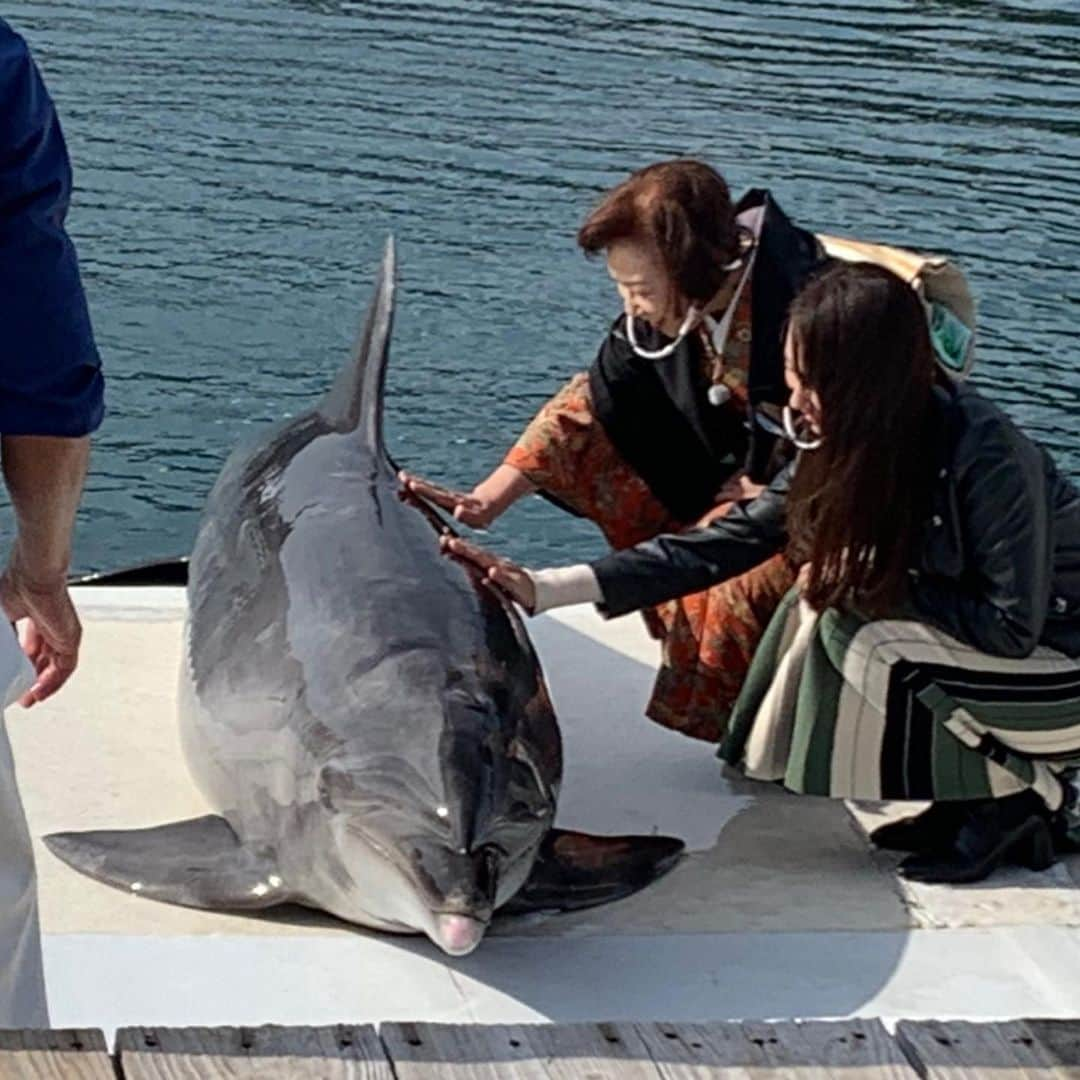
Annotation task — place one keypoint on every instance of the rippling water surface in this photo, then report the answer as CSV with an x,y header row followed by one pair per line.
x,y
238,166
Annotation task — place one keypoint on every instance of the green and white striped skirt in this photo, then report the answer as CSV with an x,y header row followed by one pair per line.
x,y
895,709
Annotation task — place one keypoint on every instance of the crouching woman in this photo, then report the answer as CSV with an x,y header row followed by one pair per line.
x,y
929,650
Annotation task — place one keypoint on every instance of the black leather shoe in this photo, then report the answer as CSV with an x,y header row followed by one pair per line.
x,y
1065,843
994,832
936,827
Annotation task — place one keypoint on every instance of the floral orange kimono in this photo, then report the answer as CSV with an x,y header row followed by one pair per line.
x,y
709,637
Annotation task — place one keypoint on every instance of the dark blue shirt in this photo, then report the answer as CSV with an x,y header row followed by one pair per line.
x,y
50,372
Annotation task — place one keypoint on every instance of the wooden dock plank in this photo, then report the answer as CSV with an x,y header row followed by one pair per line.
x,y
752,1050
517,1052
270,1052
862,1049
57,1054
1060,1041
959,1050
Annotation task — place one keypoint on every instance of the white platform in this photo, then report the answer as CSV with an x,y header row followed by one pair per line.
x,y
781,909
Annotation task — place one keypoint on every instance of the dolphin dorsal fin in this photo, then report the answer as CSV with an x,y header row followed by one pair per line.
x,y
354,402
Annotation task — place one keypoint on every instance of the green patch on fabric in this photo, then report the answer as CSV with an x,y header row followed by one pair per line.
x,y
952,339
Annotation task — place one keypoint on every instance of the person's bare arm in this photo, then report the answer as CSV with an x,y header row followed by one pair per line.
x,y
44,476
490,498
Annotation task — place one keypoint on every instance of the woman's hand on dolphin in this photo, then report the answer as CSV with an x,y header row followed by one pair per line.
x,y
508,576
469,509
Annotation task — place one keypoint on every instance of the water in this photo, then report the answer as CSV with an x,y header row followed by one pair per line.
x,y
238,166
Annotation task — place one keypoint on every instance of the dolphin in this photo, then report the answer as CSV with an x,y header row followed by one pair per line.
x,y
367,717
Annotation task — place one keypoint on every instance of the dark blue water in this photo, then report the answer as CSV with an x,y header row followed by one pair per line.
x,y
239,164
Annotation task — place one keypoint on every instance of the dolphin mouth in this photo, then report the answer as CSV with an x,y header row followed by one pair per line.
x,y
455,931
457,935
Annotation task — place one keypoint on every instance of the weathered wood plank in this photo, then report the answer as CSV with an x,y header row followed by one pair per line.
x,y
861,1048
516,1052
270,1052
815,1049
1060,1040
967,1051
57,1054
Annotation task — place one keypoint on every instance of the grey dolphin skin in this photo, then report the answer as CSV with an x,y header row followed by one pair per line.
x,y
367,716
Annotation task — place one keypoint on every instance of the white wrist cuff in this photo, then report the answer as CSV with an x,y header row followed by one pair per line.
x,y
564,585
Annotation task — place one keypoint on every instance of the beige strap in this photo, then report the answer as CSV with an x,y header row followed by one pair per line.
x,y
936,279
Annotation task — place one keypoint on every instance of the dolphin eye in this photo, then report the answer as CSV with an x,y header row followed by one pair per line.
x,y
526,813
487,869
527,803
337,788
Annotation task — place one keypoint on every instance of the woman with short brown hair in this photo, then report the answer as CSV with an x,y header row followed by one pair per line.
x,y
680,209
678,415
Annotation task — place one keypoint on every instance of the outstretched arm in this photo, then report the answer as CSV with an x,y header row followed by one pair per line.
x,y
675,565
650,573
490,498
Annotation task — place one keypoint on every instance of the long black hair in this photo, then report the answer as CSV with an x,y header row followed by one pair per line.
x,y
860,341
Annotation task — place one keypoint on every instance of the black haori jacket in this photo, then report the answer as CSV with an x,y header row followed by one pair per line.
x,y
656,412
997,565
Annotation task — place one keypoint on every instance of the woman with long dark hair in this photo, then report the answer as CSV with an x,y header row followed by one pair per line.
x,y
929,650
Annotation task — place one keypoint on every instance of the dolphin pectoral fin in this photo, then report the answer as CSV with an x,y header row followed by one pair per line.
x,y
198,863
575,870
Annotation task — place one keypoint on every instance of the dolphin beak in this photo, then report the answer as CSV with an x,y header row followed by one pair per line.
x,y
457,935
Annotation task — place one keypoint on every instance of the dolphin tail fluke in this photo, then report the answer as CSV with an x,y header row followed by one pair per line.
x,y
575,870
354,403
198,863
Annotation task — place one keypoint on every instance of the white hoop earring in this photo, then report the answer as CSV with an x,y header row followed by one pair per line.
x,y
793,435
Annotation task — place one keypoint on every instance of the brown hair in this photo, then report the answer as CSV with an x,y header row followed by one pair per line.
x,y
861,342
683,208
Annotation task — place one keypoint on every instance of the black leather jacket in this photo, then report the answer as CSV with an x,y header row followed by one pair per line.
x,y
998,565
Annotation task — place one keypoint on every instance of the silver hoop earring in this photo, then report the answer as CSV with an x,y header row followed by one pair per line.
x,y
793,435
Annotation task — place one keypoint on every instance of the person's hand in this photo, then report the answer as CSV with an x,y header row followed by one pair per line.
x,y
469,509
714,512
737,487
52,632
508,576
